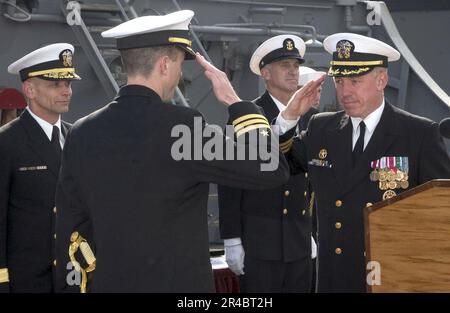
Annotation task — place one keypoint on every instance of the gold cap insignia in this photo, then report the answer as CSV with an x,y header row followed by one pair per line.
x,y
344,49
323,154
289,44
66,58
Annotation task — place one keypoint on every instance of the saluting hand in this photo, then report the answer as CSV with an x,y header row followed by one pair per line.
x,y
303,99
222,88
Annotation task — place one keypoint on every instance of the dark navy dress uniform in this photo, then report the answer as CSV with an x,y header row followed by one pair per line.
x,y
342,191
343,183
144,213
29,170
274,226
135,180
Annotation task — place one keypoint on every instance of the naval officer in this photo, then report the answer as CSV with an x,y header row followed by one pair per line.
x,y
267,233
366,153
144,211
30,152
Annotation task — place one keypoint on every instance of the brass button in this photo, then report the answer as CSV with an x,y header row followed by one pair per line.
x,y
303,212
286,193
338,251
54,210
338,225
54,236
306,175
369,204
364,253
54,262
305,193
338,203
285,211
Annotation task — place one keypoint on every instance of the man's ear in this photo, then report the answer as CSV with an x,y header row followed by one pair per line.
x,y
265,72
382,80
28,89
164,65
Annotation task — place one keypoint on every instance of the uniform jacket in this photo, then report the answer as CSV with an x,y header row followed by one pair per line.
x,y
342,191
273,224
143,212
29,168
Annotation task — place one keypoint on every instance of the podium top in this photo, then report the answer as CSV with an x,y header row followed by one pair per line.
x,y
407,244
411,192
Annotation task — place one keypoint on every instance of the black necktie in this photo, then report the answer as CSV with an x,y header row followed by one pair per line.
x,y
359,146
55,140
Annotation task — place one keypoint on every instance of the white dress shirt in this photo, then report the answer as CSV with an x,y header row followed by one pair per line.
x,y
280,105
371,122
48,128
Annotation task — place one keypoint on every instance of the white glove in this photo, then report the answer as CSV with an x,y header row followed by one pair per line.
x,y
234,255
313,248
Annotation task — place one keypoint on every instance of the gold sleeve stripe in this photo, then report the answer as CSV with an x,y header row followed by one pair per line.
x,y
4,277
288,146
251,127
248,116
286,149
356,63
286,143
52,71
250,122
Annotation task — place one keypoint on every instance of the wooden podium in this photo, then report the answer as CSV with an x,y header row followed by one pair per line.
x,y
409,236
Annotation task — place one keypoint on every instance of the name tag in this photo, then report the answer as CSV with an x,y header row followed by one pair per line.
x,y
33,168
320,163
